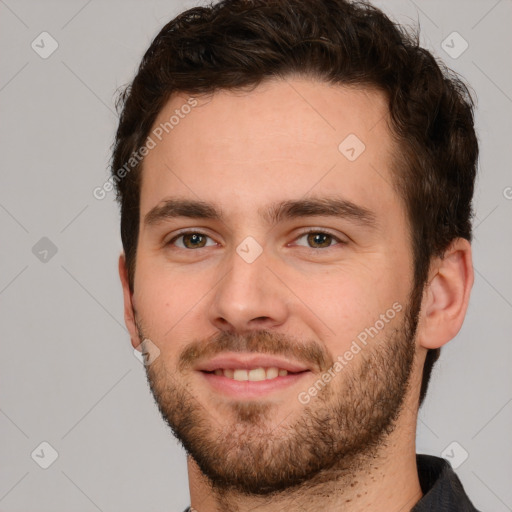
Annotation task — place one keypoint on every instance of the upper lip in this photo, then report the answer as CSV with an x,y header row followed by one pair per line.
x,y
249,361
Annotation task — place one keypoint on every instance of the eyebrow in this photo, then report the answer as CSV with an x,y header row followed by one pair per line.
x,y
272,214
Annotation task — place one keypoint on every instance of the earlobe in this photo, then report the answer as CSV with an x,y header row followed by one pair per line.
x,y
129,314
446,296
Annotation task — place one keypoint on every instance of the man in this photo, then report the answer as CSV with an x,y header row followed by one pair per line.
x,y
295,180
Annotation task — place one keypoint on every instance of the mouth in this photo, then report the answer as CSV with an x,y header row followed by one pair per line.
x,y
252,374
244,376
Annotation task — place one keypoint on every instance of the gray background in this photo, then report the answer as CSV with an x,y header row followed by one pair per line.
x,y
67,372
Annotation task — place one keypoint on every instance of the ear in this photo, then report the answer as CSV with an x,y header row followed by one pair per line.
x,y
129,314
446,296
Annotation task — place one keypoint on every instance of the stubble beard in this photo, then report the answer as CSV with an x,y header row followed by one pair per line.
x,y
337,433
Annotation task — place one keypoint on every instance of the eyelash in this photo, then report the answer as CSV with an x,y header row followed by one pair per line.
x,y
302,234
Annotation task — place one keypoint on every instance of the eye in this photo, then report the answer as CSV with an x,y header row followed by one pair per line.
x,y
314,239
319,239
191,240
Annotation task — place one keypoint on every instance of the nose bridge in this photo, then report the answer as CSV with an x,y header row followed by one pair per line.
x,y
248,296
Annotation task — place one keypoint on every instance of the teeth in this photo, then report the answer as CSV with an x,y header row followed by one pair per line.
x,y
240,375
254,375
272,373
257,374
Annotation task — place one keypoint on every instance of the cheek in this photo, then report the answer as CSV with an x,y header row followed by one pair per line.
x,y
344,302
166,300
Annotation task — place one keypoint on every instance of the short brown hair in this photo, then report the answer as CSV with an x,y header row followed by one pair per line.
x,y
236,44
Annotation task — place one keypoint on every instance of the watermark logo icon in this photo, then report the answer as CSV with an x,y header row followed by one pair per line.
x,y
351,147
455,454
44,250
44,455
249,249
44,45
454,45
148,352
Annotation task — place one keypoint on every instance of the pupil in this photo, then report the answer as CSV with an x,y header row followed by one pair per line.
x,y
319,239
194,239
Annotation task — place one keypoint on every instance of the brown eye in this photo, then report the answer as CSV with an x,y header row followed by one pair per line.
x,y
191,240
194,240
318,240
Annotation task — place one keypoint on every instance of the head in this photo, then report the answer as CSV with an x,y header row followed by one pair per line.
x,y
262,94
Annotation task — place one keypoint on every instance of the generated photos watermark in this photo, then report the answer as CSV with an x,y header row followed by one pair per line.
x,y
356,346
137,156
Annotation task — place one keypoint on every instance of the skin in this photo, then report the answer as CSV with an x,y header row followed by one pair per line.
x,y
242,152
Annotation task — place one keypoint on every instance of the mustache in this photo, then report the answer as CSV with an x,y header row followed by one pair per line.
x,y
257,341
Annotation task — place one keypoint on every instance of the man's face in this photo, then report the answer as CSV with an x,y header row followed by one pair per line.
x,y
255,284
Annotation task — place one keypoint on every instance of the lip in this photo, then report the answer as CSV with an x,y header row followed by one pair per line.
x,y
250,389
248,361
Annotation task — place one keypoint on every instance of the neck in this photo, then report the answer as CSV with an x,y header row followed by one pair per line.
x,y
386,479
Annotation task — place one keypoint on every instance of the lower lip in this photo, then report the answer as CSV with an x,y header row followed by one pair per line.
x,y
251,389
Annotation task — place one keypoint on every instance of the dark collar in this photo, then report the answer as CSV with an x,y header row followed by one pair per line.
x,y
442,489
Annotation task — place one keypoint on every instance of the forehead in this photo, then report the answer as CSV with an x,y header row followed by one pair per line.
x,y
284,138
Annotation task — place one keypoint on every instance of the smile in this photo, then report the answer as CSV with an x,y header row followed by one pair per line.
x,y
254,374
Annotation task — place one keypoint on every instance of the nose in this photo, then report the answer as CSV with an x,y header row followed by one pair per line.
x,y
248,297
